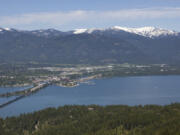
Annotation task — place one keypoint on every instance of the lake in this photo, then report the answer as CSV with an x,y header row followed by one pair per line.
x,y
160,90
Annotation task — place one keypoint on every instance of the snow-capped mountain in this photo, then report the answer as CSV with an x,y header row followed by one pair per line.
x,y
150,32
143,31
89,31
47,32
147,31
39,33
6,29
91,46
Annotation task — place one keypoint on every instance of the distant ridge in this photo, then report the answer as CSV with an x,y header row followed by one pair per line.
x,y
143,31
148,45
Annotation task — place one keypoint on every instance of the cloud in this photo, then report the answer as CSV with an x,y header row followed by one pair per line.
x,y
82,17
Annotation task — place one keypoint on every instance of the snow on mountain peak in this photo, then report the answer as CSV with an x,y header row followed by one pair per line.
x,y
143,31
79,31
147,31
7,29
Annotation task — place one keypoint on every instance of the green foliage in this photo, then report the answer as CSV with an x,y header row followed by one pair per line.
x,y
96,120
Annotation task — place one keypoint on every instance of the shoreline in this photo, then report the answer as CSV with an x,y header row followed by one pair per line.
x,y
84,82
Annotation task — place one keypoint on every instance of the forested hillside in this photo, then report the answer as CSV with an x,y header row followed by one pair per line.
x,y
96,120
97,47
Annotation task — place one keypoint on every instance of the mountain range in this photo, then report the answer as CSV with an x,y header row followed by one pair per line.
x,y
146,45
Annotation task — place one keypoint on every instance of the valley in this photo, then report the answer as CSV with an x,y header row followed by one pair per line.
x,y
40,77
89,70
71,75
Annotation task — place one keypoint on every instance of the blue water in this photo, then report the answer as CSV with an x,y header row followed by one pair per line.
x,y
159,90
6,99
12,89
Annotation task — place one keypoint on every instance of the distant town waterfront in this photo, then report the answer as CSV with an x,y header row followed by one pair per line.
x,y
142,90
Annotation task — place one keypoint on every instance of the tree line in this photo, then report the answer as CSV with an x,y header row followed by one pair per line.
x,y
96,120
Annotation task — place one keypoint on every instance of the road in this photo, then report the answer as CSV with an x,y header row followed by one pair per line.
x,y
26,92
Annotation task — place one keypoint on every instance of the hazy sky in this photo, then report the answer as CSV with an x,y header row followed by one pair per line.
x,y
71,14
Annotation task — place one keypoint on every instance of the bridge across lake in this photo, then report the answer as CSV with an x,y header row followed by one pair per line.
x,y
142,90
23,93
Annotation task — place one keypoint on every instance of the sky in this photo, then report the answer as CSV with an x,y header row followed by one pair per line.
x,y
74,14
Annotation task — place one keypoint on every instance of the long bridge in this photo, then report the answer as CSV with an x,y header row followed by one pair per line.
x,y
23,93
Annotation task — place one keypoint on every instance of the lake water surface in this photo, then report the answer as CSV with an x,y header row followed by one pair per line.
x,y
159,90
